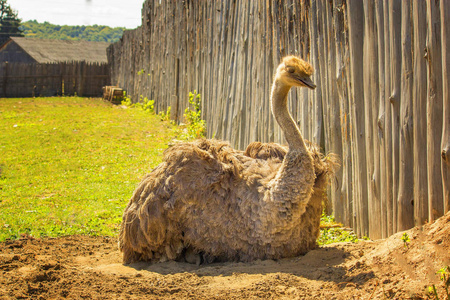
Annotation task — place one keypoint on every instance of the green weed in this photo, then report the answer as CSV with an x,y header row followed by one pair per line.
x,y
69,165
405,238
165,116
332,232
195,126
127,101
144,103
444,276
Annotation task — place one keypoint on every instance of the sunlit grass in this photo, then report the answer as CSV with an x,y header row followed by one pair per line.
x,y
333,232
69,165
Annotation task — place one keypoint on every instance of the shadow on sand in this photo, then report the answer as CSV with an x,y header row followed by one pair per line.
x,y
324,264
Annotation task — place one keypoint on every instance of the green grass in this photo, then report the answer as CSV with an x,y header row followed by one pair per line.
x,y
69,165
332,232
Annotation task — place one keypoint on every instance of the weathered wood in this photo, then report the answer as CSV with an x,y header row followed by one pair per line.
x,y
434,112
370,89
355,27
371,96
394,98
406,158
419,107
445,144
334,112
32,80
380,137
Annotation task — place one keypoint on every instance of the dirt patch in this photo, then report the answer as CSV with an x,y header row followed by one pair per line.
x,y
90,267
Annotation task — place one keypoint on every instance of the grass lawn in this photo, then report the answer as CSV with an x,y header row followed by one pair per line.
x,y
69,165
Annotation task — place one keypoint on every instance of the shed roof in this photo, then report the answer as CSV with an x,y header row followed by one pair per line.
x,y
49,51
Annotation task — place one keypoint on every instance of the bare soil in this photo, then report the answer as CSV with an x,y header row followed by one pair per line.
x,y
77,267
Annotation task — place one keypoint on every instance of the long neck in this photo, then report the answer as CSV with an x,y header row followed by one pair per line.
x,y
284,119
291,189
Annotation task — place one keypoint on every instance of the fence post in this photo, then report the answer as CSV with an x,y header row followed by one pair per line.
x,y
371,96
357,50
445,144
176,100
419,108
5,79
355,28
394,99
406,178
434,112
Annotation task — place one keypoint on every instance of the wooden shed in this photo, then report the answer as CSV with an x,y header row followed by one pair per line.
x,y
35,67
29,50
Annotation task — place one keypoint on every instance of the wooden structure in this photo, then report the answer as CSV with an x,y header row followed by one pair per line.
x,y
29,50
33,80
33,67
113,94
379,105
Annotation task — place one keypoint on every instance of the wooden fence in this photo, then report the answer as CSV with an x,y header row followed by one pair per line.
x,y
30,80
382,102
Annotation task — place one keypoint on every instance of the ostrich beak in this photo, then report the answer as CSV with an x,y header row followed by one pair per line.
x,y
307,82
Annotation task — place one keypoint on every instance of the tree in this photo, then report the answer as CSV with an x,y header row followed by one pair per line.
x,y
9,22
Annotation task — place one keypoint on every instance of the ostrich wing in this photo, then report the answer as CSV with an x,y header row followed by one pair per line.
x,y
322,164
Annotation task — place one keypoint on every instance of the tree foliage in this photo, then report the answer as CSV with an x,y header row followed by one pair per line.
x,y
9,22
46,30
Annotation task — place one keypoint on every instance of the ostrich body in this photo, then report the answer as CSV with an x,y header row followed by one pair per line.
x,y
208,199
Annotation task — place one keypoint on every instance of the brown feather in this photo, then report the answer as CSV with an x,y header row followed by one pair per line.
x,y
209,200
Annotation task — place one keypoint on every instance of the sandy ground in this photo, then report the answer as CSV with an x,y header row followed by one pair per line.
x,y
77,267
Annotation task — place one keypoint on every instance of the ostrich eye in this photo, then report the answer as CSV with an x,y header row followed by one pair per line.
x,y
290,69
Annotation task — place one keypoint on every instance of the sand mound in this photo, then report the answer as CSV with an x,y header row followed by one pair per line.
x,y
90,267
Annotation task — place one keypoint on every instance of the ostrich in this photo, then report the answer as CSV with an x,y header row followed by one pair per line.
x,y
207,201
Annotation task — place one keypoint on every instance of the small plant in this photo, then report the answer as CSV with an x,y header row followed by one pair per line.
x,y
332,232
195,126
126,100
141,72
165,116
405,238
335,235
325,219
433,292
144,103
444,276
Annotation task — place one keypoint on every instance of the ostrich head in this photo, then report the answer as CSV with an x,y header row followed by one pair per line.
x,y
294,71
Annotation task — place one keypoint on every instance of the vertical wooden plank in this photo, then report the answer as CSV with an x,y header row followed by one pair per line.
x,y
434,111
269,63
321,80
394,98
334,134
445,144
228,50
406,180
312,97
356,29
316,42
237,78
304,35
371,112
342,73
419,113
380,137
5,79
222,92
